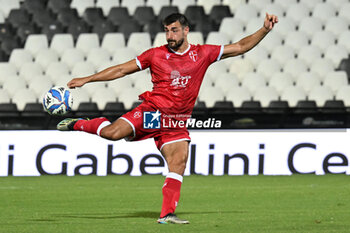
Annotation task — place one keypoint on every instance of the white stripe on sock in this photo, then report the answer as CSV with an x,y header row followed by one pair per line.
x,y
175,176
102,125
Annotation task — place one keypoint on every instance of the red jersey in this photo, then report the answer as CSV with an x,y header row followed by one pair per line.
x,y
177,77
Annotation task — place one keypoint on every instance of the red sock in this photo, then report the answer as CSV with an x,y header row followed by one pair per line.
x,y
91,126
171,193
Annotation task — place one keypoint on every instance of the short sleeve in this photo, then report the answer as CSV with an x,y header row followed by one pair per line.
x,y
214,52
144,60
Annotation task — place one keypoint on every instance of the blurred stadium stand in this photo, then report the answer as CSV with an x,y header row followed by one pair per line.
x,y
297,77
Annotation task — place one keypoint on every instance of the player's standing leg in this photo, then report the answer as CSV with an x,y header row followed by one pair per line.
x,y
176,155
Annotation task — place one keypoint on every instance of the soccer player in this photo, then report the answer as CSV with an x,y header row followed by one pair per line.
x,y
177,70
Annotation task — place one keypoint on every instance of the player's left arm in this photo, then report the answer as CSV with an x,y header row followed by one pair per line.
x,y
249,42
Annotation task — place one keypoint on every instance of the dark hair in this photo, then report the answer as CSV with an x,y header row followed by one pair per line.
x,y
176,17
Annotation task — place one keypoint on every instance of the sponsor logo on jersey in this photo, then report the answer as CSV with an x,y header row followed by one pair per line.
x,y
151,120
137,114
193,55
178,80
167,56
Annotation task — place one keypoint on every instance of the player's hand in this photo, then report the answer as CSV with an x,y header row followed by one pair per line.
x,y
270,21
76,82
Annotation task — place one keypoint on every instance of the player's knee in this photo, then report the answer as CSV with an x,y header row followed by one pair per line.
x,y
111,133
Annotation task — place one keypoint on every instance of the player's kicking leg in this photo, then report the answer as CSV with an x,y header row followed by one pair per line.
x,y
99,126
176,155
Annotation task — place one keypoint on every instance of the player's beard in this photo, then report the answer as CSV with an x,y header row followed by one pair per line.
x,y
173,44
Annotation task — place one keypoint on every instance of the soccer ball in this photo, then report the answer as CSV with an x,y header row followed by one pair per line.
x,y
58,101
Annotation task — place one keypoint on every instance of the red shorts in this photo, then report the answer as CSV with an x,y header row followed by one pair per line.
x,y
163,131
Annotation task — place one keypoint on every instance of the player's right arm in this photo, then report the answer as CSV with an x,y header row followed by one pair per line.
x,y
111,73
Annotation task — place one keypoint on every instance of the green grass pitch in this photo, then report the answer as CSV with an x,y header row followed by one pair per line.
x,y
298,203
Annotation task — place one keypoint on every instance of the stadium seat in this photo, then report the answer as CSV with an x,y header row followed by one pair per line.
x,y
345,66
52,29
306,107
194,14
338,4
250,107
122,55
102,96
119,85
80,96
337,25
268,68
308,80
7,6
218,13
8,45
296,40
98,56
336,53
113,109
323,39
277,107
82,5
33,6
282,54
241,67
112,41
24,30
271,41
253,81
253,25
233,4
144,15
42,18
18,17
309,53
310,3
238,95
142,81
40,85
159,39
87,109
87,41
265,95
216,69
217,38
19,57
4,97
183,4
165,11
129,27
56,5
13,84
334,106
9,110
45,57
293,94
344,39
335,80
30,70
310,25
62,80
210,95
322,67
132,5
321,94
103,28
107,5
118,15
34,43
93,15
344,94
280,81
82,69
68,16
55,70
285,26
61,42
256,55
245,12
208,4
72,56
298,11
78,28
231,27
222,107
295,67
323,11
259,4
205,26
23,97
195,38
139,41
128,97
344,11
272,8
91,88
6,70
225,81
